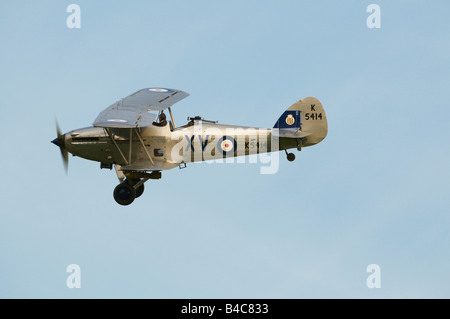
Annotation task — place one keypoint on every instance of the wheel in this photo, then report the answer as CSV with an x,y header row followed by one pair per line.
x,y
124,194
132,182
291,157
139,190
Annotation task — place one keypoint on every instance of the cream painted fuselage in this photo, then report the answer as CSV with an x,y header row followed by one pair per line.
x,y
155,148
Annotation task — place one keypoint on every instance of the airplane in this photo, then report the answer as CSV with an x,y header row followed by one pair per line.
x,y
134,136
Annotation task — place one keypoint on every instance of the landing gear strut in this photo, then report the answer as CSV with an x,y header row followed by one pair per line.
x,y
139,190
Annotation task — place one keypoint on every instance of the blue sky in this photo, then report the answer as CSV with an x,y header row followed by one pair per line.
x,y
375,191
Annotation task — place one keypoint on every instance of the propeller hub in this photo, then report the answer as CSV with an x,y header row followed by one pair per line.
x,y
60,141
55,141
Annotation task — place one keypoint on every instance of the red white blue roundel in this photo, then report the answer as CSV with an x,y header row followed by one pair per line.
x,y
227,145
161,90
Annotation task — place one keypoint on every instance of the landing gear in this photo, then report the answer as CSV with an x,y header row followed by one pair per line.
x,y
132,182
124,194
290,156
140,191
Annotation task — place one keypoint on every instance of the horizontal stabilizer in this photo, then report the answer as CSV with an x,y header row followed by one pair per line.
x,y
289,133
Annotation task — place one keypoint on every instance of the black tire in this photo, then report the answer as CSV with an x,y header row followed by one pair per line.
x,y
124,194
291,157
132,182
139,190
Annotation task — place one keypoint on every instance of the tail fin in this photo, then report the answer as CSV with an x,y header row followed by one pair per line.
x,y
307,116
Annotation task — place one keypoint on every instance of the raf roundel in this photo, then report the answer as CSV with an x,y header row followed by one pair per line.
x,y
226,145
159,90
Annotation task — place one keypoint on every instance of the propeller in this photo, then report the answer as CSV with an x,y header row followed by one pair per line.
x,y
60,141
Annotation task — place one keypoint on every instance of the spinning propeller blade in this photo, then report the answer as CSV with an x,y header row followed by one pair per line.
x,y
60,142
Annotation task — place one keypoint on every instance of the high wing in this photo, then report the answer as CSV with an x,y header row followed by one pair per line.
x,y
133,110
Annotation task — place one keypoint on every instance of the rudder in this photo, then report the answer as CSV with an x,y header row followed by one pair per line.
x,y
308,116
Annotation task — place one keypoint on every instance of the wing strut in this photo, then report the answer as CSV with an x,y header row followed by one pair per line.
x,y
115,144
171,117
131,143
143,146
